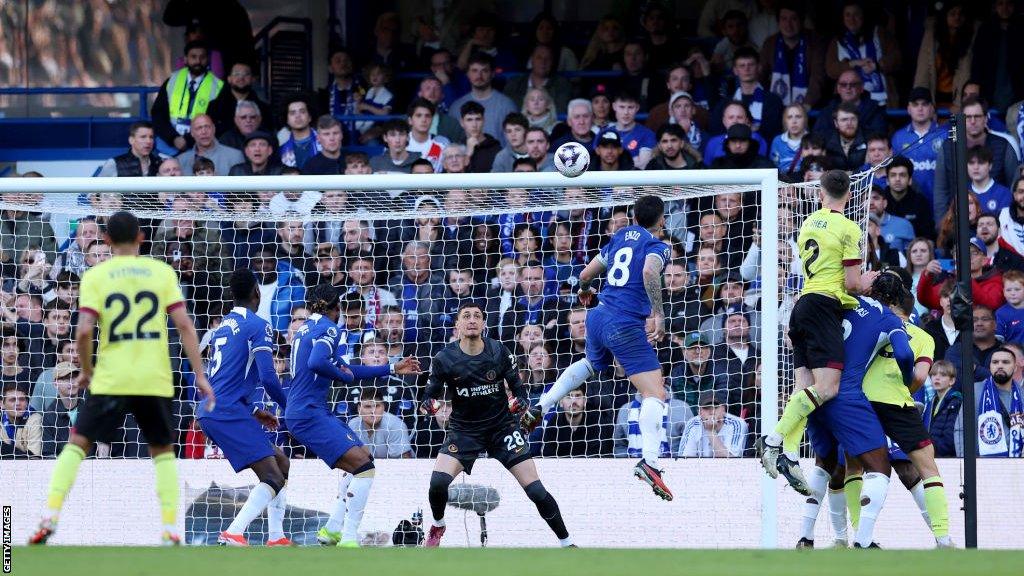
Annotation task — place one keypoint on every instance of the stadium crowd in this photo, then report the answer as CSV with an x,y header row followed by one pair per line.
x,y
774,86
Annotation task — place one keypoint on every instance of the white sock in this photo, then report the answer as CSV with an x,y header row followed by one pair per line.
x,y
652,412
774,439
565,542
837,513
577,373
358,494
257,502
438,523
917,491
275,515
337,519
818,482
872,498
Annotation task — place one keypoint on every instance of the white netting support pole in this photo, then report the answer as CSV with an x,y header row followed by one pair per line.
x,y
770,376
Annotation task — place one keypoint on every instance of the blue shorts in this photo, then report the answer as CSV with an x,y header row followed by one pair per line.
x,y
614,336
895,452
847,420
239,436
328,437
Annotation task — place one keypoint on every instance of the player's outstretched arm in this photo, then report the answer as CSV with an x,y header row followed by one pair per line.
x,y
903,355
653,266
591,272
320,362
190,343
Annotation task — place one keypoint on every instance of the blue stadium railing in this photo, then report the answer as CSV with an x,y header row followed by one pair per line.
x,y
98,137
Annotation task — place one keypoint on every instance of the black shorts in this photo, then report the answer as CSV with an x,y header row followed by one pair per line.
x,y
903,425
505,442
102,414
816,331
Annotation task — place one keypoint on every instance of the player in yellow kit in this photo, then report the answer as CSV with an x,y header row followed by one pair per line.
x,y
129,297
829,244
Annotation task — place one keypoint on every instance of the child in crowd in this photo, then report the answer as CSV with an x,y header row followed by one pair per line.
x,y
378,99
1010,316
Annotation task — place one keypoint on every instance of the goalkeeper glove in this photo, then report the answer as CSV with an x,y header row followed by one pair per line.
x,y
430,406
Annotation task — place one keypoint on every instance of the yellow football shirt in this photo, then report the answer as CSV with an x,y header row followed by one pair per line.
x,y
829,242
884,382
131,297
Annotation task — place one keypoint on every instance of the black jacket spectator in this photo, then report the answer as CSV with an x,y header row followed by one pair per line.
x,y
128,164
915,208
590,438
943,424
851,159
871,117
483,155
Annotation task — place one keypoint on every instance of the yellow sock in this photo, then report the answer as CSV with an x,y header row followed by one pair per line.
x,y
938,508
791,441
167,487
799,406
63,477
852,487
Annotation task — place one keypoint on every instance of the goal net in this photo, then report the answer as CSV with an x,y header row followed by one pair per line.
x,y
408,250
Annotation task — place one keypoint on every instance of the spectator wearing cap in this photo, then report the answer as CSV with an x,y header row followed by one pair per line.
x,y
986,281
186,94
514,127
626,435
140,159
397,158
679,80
578,430
730,294
713,432
44,392
740,151
601,102
578,126
239,88
674,152
898,232
904,200
921,139
260,159
765,107
733,113
737,357
480,71
793,59
850,90
687,114
695,375
207,146
846,147
58,421
999,254
383,433
21,430
637,140
610,155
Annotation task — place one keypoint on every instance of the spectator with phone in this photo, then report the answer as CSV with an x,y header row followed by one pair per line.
x,y
986,281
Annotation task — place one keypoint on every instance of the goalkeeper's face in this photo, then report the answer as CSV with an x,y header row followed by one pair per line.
x,y
470,323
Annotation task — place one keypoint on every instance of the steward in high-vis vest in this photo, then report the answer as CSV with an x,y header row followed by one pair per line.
x,y
186,94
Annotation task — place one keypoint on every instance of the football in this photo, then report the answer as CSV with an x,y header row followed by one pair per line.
x,y
572,159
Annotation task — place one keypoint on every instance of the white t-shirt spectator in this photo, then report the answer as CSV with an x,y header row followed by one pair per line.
x,y
697,444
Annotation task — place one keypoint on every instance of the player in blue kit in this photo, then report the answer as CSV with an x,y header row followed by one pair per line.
x,y
624,326
849,420
241,359
316,362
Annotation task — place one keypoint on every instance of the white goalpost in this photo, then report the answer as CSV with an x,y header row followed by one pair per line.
x,y
729,228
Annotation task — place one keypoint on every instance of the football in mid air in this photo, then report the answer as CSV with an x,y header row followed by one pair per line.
x,y
572,159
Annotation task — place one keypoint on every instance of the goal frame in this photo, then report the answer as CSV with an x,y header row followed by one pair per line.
x,y
766,180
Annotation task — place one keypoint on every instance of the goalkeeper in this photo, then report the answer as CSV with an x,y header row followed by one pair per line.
x,y
829,244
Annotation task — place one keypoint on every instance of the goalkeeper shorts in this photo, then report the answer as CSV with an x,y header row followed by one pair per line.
x,y
506,443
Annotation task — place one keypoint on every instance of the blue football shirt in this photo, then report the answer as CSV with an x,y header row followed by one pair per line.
x,y
624,256
232,368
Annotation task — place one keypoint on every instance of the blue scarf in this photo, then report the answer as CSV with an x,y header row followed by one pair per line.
x,y
1020,123
756,106
9,426
993,439
790,85
850,49
634,443
287,152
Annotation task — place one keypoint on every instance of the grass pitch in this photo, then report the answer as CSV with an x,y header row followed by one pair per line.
x,y
214,561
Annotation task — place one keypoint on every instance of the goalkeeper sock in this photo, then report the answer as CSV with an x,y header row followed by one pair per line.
x,y
275,515
337,519
438,495
798,408
872,498
254,505
791,441
548,508
570,379
63,478
938,508
837,513
358,494
652,413
917,491
852,487
167,487
818,482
